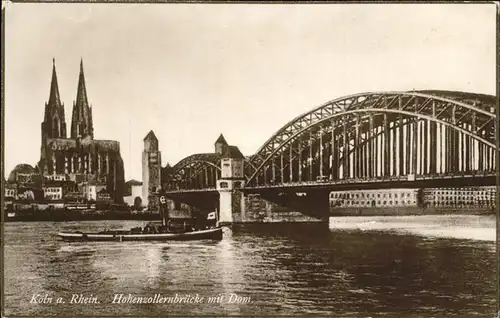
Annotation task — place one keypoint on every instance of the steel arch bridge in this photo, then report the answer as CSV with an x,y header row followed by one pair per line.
x,y
370,136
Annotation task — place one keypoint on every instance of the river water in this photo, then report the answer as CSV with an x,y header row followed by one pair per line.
x,y
362,267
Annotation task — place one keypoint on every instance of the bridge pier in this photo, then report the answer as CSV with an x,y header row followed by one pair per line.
x,y
290,208
229,201
191,204
232,179
237,207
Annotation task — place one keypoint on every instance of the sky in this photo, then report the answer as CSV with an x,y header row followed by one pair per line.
x,y
190,72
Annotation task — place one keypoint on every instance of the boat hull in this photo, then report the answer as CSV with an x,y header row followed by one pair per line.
x,y
210,234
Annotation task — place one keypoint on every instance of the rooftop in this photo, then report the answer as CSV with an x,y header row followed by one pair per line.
x,y
221,140
151,136
233,152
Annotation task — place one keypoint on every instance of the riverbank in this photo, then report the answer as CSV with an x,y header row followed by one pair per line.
x,y
63,216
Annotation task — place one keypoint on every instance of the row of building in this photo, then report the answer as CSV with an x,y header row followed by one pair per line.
x,y
469,197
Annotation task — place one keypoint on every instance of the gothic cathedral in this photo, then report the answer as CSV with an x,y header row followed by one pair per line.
x,y
80,157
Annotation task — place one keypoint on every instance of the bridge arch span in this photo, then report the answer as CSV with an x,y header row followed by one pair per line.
x,y
398,130
199,170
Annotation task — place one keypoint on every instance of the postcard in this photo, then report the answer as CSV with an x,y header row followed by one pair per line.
x,y
251,159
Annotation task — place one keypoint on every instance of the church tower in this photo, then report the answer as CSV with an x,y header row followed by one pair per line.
x,y
54,122
151,171
81,121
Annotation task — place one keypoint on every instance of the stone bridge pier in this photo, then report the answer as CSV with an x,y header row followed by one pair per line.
x,y
192,204
237,206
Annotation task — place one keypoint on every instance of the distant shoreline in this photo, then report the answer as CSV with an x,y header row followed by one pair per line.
x,y
93,217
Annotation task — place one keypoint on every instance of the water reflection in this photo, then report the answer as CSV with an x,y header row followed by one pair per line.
x,y
152,263
230,275
286,270
139,262
474,227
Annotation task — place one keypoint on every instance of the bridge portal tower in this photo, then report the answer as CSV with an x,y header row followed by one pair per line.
x,y
232,179
151,171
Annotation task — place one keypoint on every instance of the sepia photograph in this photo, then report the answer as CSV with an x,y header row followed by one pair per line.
x,y
250,159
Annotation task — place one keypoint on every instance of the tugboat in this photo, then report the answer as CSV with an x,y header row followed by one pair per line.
x,y
140,235
151,232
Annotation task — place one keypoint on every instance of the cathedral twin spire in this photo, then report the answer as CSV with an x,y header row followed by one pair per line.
x,y
81,121
54,124
54,98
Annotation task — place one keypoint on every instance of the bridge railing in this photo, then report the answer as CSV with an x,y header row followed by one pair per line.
x,y
189,190
378,179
